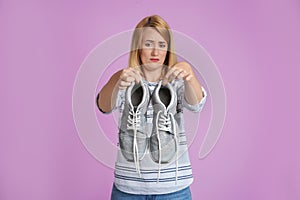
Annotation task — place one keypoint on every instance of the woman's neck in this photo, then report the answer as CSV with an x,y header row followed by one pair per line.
x,y
152,76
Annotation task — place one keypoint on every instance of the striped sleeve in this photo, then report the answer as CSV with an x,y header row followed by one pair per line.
x,y
179,84
197,107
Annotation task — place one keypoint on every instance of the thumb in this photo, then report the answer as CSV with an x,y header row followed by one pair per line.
x,y
164,81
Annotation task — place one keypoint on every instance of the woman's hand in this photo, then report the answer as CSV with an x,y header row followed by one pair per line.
x,y
180,70
192,88
128,76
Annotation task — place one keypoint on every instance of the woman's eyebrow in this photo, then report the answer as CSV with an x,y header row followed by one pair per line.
x,y
149,41
161,42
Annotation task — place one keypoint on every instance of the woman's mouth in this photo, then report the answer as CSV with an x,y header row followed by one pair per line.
x,y
154,59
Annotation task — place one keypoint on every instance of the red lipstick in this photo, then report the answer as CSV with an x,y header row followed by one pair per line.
x,y
154,59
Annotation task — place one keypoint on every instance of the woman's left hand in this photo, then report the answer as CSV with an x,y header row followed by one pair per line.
x,y
180,70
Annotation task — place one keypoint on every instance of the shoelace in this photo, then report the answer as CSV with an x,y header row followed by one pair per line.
x,y
134,121
165,121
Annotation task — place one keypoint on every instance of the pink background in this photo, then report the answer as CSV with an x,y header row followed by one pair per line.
x,y
255,45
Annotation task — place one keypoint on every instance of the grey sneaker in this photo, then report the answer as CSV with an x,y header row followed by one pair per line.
x,y
132,136
163,140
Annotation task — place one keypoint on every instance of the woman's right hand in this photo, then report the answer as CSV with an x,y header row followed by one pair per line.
x,y
128,76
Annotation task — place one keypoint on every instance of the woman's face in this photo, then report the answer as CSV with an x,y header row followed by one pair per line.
x,y
153,50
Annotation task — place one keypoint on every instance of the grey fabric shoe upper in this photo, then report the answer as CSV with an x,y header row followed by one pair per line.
x,y
132,135
163,141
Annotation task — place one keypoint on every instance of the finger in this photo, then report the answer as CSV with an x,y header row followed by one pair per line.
x,y
128,76
132,73
177,73
182,74
188,78
167,77
164,82
136,73
169,72
138,70
124,84
122,88
124,74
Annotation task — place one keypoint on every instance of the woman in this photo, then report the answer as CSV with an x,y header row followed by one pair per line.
x,y
150,93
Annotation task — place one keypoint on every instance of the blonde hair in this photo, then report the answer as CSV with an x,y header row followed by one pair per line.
x,y
163,29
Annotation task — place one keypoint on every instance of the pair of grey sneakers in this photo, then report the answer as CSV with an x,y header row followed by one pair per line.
x,y
163,142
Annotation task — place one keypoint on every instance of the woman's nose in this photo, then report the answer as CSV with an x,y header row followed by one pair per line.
x,y
154,51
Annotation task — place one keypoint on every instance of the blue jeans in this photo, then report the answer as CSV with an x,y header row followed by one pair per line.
x,y
184,194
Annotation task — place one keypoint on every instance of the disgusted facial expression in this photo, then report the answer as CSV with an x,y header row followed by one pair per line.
x,y
153,49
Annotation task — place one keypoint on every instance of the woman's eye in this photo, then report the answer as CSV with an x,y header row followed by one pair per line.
x,y
147,44
162,46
